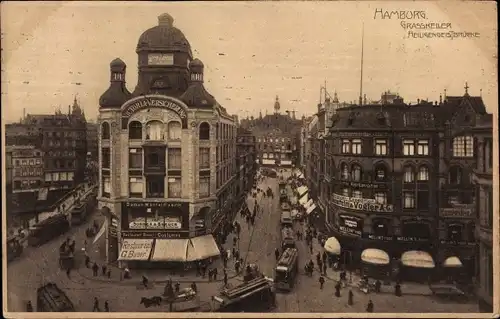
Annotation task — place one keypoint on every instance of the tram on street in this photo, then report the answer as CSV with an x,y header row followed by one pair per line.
x,y
51,298
79,213
48,229
286,219
285,272
257,295
287,238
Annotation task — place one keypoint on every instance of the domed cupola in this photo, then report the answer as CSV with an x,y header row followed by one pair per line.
x,y
164,36
117,93
196,95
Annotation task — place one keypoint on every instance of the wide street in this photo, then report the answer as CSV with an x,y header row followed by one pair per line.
x,y
257,244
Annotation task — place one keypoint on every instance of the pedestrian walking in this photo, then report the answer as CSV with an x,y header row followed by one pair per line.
x,y
318,258
194,287
378,286
321,282
235,240
95,269
204,270
397,290
87,260
320,265
337,290
311,248
68,272
210,273
215,273
177,287
104,268
237,266
109,273
224,261
324,257
277,253
29,306
225,279
324,269
106,306
96,305
350,300
145,281
236,255
369,307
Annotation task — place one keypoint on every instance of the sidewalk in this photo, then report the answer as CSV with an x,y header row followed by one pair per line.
x,y
407,288
161,276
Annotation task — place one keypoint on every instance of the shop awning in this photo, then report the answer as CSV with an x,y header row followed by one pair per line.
x,y
332,246
303,199
136,249
417,259
310,209
170,250
375,256
302,190
309,203
202,247
452,262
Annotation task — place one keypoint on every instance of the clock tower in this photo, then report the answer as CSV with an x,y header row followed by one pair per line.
x,y
164,55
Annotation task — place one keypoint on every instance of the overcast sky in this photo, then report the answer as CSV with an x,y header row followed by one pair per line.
x,y
270,48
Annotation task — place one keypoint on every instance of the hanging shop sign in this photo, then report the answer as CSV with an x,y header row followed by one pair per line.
x,y
457,212
153,101
362,204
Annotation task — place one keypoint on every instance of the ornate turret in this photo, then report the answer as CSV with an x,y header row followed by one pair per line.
x,y
196,95
117,93
277,105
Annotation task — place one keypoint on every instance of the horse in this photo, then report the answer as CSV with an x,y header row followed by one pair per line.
x,y
148,302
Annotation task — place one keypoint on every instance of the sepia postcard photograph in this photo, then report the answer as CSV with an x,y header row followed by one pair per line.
x,y
250,159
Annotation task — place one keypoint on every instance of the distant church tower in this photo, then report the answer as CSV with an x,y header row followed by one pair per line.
x,y
277,105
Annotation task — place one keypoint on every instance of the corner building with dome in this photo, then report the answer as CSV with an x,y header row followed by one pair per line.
x,y
167,157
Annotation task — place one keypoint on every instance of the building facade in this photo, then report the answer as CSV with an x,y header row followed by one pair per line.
x,y
278,138
26,168
397,177
167,154
92,141
246,162
483,181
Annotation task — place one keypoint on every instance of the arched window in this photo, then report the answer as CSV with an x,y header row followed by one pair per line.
x,y
135,130
174,130
423,173
105,132
455,232
356,173
409,174
155,131
204,131
455,175
380,172
463,146
380,227
344,171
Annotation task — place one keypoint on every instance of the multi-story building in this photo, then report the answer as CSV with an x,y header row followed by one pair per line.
x,y
278,138
27,168
167,156
246,161
399,177
483,181
92,141
62,139
23,134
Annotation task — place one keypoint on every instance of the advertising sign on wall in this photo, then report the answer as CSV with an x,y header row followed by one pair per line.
x,y
351,225
136,249
153,234
362,204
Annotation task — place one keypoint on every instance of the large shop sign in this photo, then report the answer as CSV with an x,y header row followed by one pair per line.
x,y
362,185
457,212
363,204
153,101
156,222
171,205
136,250
156,235
351,225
